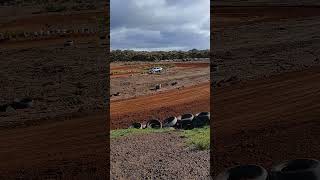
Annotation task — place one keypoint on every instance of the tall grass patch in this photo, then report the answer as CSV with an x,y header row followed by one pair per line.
x,y
198,138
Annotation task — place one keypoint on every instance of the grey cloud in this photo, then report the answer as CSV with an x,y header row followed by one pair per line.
x,y
160,24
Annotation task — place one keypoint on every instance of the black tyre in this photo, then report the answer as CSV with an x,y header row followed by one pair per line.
x,y
22,103
178,124
3,108
245,172
154,124
186,124
201,119
136,125
306,169
170,122
188,116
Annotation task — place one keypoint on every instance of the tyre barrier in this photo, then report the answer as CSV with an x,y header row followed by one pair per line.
x,y
136,125
185,121
178,124
297,169
170,122
188,116
3,108
155,124
186,124
201,119
22,103
242,172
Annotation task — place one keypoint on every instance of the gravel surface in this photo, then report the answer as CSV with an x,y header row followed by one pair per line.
x,y
157,156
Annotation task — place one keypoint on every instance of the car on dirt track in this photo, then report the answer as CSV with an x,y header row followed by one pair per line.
x,y
155,70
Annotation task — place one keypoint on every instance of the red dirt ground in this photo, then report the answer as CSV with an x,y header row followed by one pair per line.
x,y
54,146
162,105
42,21
38,21
122,75
267,121
225,16
59,148
78,38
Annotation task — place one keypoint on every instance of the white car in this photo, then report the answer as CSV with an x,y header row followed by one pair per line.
x,y
156,70
69,43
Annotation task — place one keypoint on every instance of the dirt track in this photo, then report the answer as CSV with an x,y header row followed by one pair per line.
x,y
226,16
53,41
49,143
33,22
174,102
68,149
128,70
254,118
131,79
270,113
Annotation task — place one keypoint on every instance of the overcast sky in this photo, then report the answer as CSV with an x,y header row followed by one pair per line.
x,y
160,24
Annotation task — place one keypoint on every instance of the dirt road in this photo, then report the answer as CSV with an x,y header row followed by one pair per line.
x,y
268,120
174,102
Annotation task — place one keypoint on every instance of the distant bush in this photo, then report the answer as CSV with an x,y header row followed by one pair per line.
x,y
130,55
55,8
7,2
79,7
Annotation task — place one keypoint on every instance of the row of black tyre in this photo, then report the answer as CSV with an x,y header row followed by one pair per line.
x,y
17,104
185,121
298,169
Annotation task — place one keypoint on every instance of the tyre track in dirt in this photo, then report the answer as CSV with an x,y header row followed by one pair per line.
x,y
253,118
161,105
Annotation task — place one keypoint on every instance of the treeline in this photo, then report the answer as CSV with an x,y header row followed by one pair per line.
x,y
130,55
